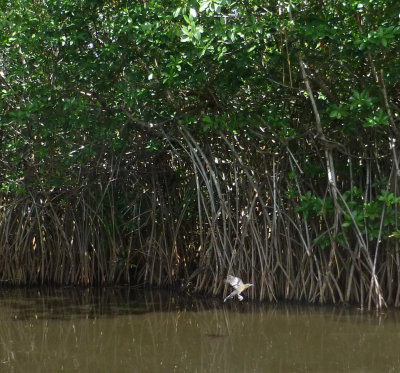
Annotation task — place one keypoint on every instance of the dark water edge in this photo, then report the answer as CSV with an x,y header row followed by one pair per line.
x,y
123,329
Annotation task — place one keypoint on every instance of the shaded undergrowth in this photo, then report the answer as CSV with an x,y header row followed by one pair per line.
x,y
197,212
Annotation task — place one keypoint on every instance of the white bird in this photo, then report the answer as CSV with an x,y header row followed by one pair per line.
x,y
238,285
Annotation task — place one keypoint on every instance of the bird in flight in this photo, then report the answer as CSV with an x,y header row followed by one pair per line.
x,y
238,285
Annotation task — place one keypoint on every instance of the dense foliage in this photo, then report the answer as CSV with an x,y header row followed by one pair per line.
x,y
176,141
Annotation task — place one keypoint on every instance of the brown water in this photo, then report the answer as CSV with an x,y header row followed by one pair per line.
x,y
124,330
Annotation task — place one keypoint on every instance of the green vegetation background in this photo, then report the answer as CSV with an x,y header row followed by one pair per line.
x,y
173,142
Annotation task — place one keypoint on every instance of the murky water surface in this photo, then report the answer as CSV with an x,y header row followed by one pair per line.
x,y
126,330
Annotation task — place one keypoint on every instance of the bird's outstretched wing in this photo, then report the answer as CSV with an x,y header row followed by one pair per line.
x,y
236,282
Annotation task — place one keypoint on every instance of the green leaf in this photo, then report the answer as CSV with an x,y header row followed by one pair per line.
x,y
204,5
177,12
193,12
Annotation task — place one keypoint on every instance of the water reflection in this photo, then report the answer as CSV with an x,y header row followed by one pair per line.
x,y
127,330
